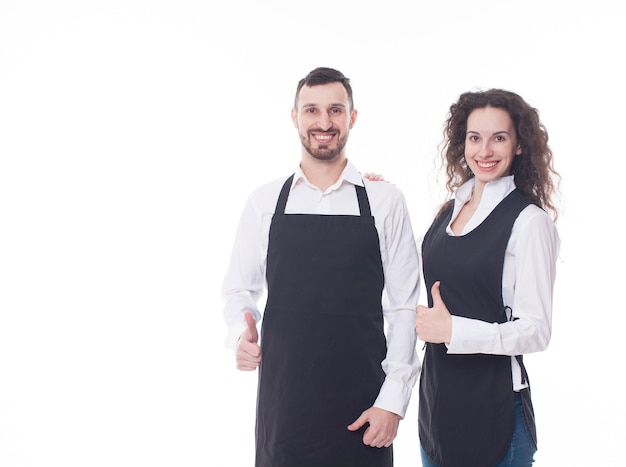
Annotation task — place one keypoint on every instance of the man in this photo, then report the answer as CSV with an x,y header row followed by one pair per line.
x,y
332,387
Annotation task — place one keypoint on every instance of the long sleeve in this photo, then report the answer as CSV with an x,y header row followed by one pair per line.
x,y
244,282
528,281
402,275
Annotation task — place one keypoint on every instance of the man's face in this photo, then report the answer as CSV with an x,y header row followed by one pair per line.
x,y
324,118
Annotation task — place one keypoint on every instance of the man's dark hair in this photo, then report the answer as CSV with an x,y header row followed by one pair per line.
x,y
325,76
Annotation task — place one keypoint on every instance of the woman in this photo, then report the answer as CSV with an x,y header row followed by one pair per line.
x,y
489,262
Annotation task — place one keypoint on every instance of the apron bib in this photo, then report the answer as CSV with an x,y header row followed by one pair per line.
x,y
322,339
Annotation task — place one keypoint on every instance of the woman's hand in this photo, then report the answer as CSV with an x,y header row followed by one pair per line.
x,y
374,177
434,324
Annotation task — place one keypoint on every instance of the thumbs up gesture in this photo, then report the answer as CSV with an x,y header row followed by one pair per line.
x,y
434,324
248,353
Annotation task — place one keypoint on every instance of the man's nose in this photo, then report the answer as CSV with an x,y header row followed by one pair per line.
x,y
324,123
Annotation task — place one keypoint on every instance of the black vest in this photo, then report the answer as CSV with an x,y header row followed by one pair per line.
x,y
466,406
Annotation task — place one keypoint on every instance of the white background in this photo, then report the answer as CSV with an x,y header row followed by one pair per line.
x,y
131,133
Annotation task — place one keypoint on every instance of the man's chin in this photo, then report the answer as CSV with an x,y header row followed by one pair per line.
x,y
323,153
329,156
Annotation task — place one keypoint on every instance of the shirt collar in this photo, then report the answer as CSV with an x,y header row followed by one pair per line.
x,y
497,189
350,175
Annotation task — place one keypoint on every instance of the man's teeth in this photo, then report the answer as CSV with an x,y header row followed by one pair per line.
x,y
323,137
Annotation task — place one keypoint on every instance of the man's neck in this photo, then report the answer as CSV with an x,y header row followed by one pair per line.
x,y
323,174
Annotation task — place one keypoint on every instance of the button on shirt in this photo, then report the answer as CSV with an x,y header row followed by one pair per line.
x,y
245,283
527,284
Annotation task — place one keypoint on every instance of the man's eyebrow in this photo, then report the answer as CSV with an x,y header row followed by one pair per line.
x,y
329,105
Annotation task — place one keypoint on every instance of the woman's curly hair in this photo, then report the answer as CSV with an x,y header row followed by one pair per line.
x,y
533,169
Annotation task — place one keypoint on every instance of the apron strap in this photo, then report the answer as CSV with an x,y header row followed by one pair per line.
x,y
364,204
284,194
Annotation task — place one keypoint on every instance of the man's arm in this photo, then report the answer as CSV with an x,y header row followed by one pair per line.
x,y
402,275
243,283
402,281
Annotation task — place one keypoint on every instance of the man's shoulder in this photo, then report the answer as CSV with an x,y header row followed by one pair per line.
x,y
270,187
386,200
383,190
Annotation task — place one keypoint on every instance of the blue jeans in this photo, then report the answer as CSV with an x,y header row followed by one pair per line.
x,y
521,451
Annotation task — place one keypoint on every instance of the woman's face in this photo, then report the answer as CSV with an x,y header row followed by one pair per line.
x,y
490,144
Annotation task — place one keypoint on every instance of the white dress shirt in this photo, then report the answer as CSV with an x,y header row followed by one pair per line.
x,y
245,283
527,282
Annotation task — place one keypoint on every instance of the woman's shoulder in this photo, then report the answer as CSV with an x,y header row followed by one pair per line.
x,y
534,219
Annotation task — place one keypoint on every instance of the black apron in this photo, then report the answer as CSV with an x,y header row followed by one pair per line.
x,y
466,405
322,339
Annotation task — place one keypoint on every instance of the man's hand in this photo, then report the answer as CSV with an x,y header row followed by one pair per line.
x,y
383,427
248,353
434,324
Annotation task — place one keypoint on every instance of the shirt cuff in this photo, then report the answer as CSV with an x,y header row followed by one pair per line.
x,y
234,333
472,336
394,397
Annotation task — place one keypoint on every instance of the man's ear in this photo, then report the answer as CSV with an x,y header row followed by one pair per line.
x,y
294,117
353,116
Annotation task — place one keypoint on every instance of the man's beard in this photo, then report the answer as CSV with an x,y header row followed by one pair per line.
x,y
323,152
